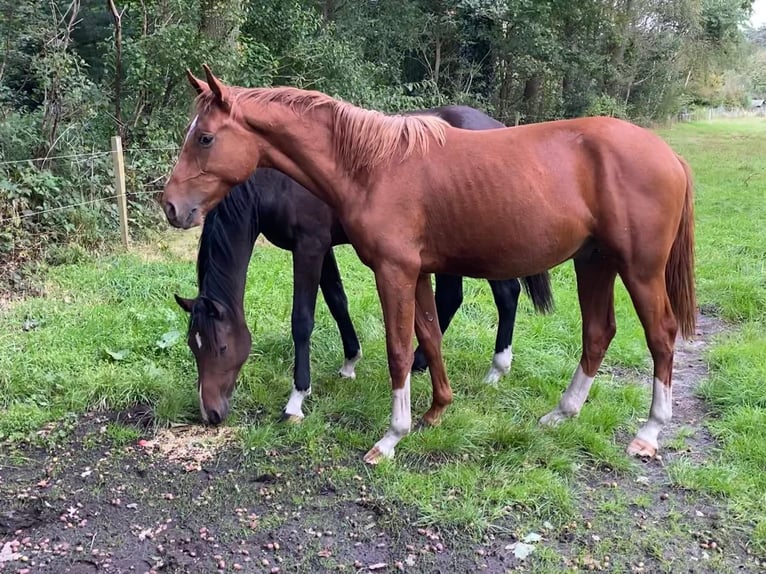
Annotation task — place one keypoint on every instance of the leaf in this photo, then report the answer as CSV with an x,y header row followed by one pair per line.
x,y
117,355
532,537
521,550
168,339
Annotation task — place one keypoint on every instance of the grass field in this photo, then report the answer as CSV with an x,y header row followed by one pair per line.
x,y
108,335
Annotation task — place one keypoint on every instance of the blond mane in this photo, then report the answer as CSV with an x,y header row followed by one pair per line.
x,y
363,138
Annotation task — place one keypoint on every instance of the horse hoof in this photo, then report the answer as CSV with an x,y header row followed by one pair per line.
x,y
346,372
375,455
423,424
553,418
493,377
641,448
290,419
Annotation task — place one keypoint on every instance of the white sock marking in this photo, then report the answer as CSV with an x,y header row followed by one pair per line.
x,y
660,413
572,400
191,128
401,420
295,403
347,370
501,364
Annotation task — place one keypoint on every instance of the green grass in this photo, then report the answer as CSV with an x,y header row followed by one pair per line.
x,y
94,346
730,172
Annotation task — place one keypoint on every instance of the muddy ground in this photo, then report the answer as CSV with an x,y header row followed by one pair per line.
x,y
82,500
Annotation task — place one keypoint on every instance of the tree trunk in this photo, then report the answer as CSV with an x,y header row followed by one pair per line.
x,y
220,22
531,97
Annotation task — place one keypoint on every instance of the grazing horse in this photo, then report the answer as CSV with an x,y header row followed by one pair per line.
x,y
417,196
290,217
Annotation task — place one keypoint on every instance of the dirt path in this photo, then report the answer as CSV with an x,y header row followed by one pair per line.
x,y
90,502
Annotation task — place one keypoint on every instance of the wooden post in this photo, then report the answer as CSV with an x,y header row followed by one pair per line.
x,y
119,188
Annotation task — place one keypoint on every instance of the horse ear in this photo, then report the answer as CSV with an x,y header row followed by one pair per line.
x,y
213,308
183,303
215,85
198,85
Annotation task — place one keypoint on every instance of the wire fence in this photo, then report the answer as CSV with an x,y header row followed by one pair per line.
x,y
79,204
120,195
87,155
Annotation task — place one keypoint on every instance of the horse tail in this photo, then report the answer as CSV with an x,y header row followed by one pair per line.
x,y
538,288
679,270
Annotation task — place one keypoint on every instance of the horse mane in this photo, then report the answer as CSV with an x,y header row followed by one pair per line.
x,y
363,138
229,228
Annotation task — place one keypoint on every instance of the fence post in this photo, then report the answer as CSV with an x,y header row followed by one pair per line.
x,y
119,188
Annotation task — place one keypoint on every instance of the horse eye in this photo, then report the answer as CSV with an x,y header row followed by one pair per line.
x,y
223,349
206,140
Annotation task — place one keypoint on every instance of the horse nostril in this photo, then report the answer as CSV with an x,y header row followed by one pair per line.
x,y
170,210
213,417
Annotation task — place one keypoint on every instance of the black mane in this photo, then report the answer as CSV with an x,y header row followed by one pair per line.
x,y
225,246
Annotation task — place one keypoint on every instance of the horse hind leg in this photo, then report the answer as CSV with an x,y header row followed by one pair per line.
x,y
429,335
652,304
335,297
595,290
506,295
449,298
307,267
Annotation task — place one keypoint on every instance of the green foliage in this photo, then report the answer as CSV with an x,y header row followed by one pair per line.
x,y
605,105
535,60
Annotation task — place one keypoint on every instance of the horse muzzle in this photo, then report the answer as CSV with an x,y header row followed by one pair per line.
x,y
180,216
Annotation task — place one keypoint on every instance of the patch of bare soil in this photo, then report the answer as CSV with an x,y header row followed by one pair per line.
x,y
181,501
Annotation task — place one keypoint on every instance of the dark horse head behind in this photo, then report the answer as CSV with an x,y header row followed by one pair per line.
x,y
218,335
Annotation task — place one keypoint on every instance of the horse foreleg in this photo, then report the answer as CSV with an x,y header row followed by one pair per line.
x,y
506,295
430,337
396,288
595,290
335,297
307,267
449,297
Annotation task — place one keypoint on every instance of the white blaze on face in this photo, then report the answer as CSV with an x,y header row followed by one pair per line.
x,y
198,339
191,128
202,411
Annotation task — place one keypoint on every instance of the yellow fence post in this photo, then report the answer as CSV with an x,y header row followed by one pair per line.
x,y
119,188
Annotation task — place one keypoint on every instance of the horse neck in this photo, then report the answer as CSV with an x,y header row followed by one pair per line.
x,y
301,146
226,246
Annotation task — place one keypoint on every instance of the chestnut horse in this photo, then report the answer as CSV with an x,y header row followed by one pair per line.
x,y
417,196
290,217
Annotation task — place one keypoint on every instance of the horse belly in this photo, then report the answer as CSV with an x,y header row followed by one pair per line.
x,y
501,235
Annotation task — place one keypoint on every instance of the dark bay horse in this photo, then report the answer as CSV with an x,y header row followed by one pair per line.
x,y
290,217
417,196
